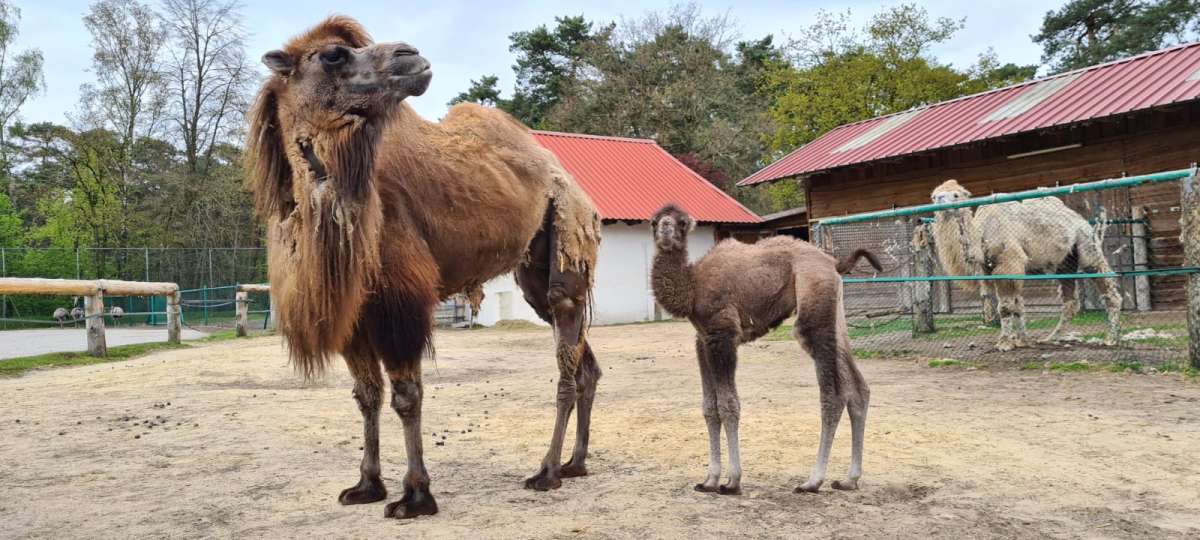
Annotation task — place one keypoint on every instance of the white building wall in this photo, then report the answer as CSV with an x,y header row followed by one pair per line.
x,y
622,290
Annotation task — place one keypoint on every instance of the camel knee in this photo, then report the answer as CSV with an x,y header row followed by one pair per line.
x,y
368,397
406,398
728,409
568,389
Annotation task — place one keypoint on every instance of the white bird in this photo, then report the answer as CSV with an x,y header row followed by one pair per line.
x,y
116,313
61,315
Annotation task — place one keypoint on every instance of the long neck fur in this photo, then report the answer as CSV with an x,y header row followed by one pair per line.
x,y
673,281
948,232
336,233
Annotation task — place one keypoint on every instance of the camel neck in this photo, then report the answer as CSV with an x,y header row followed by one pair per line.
x,y
673,281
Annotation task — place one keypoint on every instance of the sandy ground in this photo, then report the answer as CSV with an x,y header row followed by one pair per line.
x,y
243,448
18,343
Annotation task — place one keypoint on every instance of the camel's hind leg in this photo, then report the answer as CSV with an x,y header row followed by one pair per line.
x,y
586,380
821,331
368,393
1068,294
560,296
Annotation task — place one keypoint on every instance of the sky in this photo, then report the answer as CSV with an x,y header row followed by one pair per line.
x,y
464,40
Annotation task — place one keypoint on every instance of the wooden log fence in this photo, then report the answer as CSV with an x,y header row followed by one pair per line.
x,y
93,293
242,299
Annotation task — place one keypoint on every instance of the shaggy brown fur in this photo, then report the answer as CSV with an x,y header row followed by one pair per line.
x,y
374,214
737,293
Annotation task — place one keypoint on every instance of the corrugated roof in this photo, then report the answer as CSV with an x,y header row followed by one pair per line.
x,y
633,178
1140,82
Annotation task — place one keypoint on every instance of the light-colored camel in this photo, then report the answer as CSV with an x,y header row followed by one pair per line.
x,y
1035,236
374,215
737,293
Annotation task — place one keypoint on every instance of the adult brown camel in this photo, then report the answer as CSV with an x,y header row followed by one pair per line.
x,y
374,214
737,293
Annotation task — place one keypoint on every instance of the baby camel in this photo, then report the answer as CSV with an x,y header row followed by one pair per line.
x,y
736,294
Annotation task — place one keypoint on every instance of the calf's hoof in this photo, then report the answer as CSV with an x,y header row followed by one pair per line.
x,y
705,488
415,502
846,485
727,490
808,487
544,480
367,491
571,470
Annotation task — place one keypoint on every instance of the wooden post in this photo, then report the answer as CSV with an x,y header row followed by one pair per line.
x,y
242,299
922,291
174,319
1190,238
1141,258
273,316
93,311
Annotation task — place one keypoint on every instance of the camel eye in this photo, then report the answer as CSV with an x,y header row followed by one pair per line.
x,y
333,57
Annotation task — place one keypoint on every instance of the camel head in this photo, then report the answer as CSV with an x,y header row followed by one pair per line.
x,y
671,226
319,115
333,74
950,191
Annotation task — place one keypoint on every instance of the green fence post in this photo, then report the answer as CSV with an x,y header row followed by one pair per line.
x,y
204,298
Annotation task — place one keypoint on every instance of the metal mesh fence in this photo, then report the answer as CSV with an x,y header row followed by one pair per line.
x,y
1051,278
206,277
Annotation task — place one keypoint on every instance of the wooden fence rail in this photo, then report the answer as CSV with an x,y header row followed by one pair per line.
x,y
93,292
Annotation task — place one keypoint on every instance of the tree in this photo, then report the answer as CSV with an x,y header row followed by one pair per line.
x,y
484,92
11,226
673,77
835,75
20,79
129,93
1087,32
549,64
208,76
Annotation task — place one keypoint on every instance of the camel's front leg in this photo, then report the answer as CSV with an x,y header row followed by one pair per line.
x,y
722,356
407,394
368,393
712,419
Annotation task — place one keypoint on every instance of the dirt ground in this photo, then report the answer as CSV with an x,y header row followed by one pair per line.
x,y
241,447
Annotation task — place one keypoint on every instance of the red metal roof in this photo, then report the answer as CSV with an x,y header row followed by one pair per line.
x,y
1140,82
633,178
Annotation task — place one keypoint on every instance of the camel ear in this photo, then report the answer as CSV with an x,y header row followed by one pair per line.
x,y
690,222
279,62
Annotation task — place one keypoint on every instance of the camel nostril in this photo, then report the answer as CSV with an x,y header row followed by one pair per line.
x,y
404,52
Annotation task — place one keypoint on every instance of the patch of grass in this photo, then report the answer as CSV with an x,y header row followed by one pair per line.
x,y
864,354
15,367
1068,367
1122,366
515,324
1181,367
1032,366
948,362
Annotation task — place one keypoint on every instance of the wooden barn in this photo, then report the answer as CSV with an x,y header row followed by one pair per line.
x,y
1134,116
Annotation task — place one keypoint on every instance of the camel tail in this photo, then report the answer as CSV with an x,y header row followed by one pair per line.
x,y
844,266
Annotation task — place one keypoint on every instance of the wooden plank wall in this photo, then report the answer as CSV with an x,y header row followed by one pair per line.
x,y
1138,144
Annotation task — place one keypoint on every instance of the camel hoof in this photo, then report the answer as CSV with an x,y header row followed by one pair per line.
x,y
705,488
543,481
367,491
726,490
848,485
571,470
808,487
418,502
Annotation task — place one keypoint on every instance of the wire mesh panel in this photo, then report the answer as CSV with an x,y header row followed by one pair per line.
x,y
1051,277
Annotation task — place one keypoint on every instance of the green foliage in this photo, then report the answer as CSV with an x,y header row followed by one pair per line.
x,y
11,232
835,76
484,92
1087,32
550,62
1068,367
